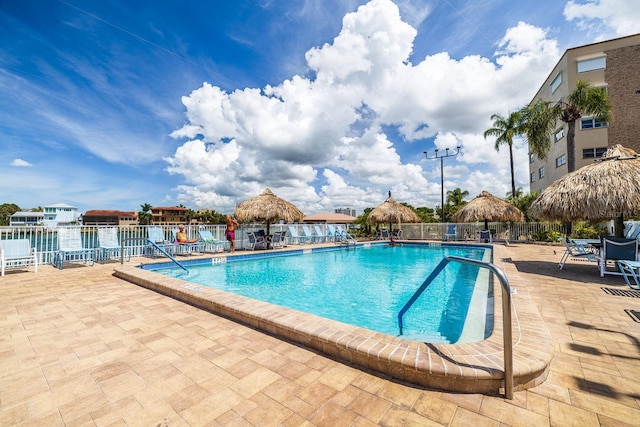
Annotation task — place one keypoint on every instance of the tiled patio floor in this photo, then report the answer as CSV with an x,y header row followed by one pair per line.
x,y
79,347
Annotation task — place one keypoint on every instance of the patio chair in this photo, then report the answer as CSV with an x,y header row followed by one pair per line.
x,y
257,242
71,249
382,235
308,234
210,243
630,269
576,252
617,249
17,253
485,236
277,240
396,234
452,233
109,245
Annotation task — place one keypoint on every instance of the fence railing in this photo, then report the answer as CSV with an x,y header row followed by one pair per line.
x,y
44,239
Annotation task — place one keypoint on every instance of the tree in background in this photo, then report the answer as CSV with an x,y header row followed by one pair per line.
x,y
505,129
540,118
144,216
454,201
6,210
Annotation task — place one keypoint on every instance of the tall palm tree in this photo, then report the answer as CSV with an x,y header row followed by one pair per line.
x,y
455,200
540,118
144,216
505,129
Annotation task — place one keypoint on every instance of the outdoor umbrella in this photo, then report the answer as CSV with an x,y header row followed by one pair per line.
x,y
267,207
391,211
606,189
488,208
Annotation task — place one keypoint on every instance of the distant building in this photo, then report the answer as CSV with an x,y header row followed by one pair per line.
x,y
168,215
328,217
345,211
60,214
26,218
109,217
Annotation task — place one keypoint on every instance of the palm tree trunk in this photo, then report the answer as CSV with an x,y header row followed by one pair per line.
x,y
513,179
571,146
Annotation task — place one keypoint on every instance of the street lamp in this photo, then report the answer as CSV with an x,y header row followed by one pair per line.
x,y
447,153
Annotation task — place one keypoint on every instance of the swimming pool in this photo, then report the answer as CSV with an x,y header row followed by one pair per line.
x,y
473,367
366,287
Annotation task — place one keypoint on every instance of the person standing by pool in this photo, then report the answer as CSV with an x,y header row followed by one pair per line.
x,y
231,232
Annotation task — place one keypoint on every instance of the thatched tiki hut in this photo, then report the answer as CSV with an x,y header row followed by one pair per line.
x,y
606,189
488,208
269,208
392,212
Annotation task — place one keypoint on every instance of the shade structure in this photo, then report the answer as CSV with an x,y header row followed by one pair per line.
x,y
267,207
488,208
606,189
392,212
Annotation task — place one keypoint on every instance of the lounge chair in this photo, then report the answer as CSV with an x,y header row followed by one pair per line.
x,y
308,234
17,253
452,233
297,238
210,243
576,252
343,235
630,269
321,236
71,249
331,233
257,242
109,245
155,234
186,248
617,249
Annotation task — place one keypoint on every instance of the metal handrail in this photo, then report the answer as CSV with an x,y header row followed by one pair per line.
x,y
506,311
152,243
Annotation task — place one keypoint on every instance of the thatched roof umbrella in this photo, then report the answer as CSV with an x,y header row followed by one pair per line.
x,y
606,189
391,211
488,208
267,207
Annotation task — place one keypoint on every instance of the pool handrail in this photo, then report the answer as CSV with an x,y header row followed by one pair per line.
x,y
152,243
506,311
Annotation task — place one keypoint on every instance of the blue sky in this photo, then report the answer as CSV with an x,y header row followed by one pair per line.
x,y
330,103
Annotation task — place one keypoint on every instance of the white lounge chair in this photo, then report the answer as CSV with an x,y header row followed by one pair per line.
x,y
71,249
109,245
295,237
576,252
155,234
210,243
17,253
320,235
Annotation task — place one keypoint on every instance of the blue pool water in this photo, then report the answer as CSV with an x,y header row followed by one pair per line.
x,y
365,287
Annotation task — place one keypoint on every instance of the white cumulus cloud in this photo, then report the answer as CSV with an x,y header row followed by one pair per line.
x,y
20,163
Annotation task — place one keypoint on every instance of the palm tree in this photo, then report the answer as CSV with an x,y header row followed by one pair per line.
x,y
144,216
540,118
455,200
505,129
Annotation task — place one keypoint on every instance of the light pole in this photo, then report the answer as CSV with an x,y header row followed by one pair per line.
x,y
442,157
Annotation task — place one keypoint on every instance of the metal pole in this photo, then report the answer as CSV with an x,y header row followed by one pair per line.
x,y
442,157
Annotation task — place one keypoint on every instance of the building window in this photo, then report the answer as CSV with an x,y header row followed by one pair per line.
x,y
561,160
592,64
533,176
555,84
541,172
559,134
593,153
592,124
531,157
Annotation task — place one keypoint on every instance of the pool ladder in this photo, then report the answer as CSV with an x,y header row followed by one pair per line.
x,y
506,311
152,243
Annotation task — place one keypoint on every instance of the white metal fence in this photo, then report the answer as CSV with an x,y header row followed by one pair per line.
x,y
44,239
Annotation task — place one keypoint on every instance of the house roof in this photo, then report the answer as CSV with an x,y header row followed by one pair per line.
x,y
99,212
26,214
61,205
166,208
329,217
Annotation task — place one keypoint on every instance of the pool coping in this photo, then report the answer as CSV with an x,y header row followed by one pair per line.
x,y
476,367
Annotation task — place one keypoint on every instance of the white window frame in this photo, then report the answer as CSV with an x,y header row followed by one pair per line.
x,y
561,160
595,124
541,172
591,64
556,82
559,134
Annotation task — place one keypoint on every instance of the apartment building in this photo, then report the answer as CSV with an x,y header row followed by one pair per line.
x,y
614,64
168,215
109,217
